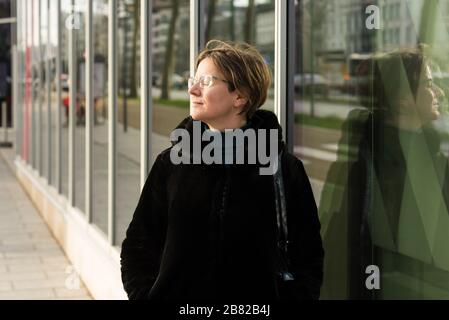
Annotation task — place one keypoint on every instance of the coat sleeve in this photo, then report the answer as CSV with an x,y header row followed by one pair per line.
x,y
305,244
143,245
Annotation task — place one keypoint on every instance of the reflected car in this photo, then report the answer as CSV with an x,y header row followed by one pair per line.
x,y
308,83
156,79
177,82
64,82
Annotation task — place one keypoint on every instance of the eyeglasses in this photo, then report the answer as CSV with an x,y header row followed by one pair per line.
x,y
204,81
427,83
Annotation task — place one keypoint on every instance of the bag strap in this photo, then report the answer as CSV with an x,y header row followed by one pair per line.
x,y
281,219
281,210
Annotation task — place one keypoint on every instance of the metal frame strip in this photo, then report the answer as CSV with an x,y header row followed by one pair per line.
x,y
72,106
58,149
280,63
89,109
146,102
112,117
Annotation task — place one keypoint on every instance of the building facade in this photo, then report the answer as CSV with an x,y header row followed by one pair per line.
x,y
92,111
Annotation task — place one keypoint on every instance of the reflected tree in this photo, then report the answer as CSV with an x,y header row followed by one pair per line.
x,y
169,61
250,22
427,23
232,22
317,11
210,18
133,71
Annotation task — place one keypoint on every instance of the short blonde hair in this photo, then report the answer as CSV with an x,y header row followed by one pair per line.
x,y
388,77
243,67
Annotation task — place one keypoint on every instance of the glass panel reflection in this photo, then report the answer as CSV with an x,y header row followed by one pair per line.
x,y
66,6
100,107
170,58
128,114
80,106
249,21
372,129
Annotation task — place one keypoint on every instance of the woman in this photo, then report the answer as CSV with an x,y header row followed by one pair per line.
x,y
389,184
209,231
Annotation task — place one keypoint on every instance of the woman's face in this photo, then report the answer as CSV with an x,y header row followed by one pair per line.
x,y
426,97
214,105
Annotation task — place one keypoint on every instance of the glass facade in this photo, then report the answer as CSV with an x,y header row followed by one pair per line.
x,y
54,113
66,6
365,106
100,115
43,98
376,156
79,121
170,47
128,116
7,13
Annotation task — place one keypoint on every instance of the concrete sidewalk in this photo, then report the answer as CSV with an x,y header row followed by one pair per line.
x,y
32,264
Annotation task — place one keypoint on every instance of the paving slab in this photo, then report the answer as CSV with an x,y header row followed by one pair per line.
x,y
33,266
